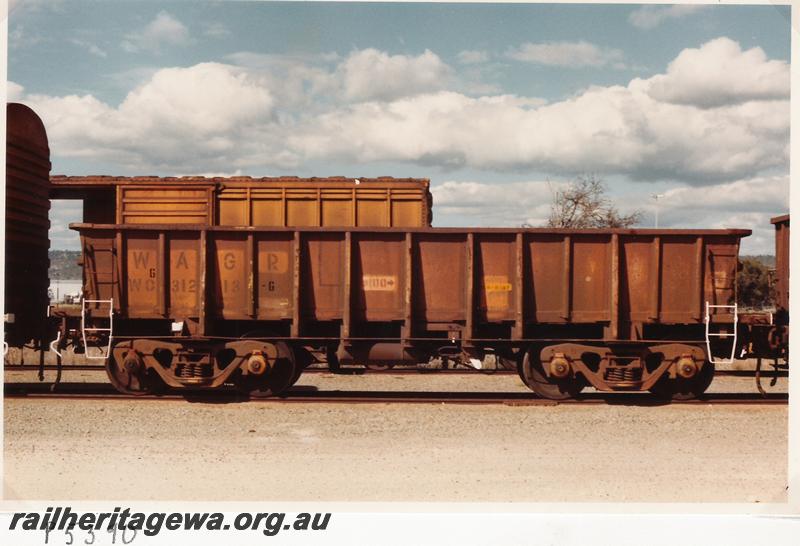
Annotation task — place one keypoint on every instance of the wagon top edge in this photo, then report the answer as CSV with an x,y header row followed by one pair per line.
x,y
784,218
288,181
25,126
423,230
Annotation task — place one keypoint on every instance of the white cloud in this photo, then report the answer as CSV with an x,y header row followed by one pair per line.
x,y
275,112
369,74
18,7
94,49
613,129
720,73
20,37
759,194
568,54
363,76
649,17
14,91
62,213
165,30
732,204
216,30
741,203
472,57
178,118
462,203
298,82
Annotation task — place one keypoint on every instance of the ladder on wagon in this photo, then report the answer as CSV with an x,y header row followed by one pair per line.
x,y
103,354
100,271
710,334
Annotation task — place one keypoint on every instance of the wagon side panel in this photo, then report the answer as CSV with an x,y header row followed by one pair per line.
x,y
440,284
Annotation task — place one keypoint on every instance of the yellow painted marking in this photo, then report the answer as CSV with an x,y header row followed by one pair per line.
x,y
497,283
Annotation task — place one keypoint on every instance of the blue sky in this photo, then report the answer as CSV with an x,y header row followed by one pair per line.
x,y
497,104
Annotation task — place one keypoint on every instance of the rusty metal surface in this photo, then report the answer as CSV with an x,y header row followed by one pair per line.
x,y
461,279
246,201
27,223
781,224
159,204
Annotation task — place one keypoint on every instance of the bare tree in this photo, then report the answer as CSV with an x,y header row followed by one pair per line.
x,y
583,204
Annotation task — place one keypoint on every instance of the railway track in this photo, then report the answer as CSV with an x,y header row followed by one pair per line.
x,y
765,372
305,395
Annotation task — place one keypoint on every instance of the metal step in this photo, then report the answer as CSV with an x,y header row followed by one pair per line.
x,y
710,334
103,353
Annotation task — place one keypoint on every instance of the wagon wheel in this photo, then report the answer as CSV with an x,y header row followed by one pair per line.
x,y
533,375
282,375
685,389
128,374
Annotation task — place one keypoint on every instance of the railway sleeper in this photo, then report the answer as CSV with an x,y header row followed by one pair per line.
x,y
260,368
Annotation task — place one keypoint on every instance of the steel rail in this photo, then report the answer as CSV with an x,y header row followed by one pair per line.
x,y
300,394
367,371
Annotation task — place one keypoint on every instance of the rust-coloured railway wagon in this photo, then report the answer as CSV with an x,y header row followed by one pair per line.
x,y
245,201
27,224
781,224
204,306
767,333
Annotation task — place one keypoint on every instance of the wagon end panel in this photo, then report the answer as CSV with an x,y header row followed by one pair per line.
x,y
721,265
101,279
781,224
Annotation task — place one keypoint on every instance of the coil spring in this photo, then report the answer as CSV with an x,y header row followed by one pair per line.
x,y
195,370
623,374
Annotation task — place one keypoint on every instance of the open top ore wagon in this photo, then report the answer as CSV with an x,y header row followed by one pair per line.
x,y
193,305
203,282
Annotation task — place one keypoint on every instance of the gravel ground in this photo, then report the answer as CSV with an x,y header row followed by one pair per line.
x,y
173,450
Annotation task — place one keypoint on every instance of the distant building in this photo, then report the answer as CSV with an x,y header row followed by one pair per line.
x,y
65,291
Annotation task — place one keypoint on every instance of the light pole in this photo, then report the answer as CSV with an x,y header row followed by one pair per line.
x,y
656,197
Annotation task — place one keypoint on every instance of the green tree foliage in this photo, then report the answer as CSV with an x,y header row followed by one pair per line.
x,y
753,285
583,204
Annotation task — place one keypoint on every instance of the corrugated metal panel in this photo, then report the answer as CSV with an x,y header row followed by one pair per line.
x,y
27,223
260,202
160,205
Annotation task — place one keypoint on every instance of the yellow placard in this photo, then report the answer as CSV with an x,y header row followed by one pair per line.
x,y
497,283
381,283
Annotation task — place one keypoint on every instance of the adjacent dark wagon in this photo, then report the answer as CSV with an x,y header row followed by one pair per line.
x,y
26,226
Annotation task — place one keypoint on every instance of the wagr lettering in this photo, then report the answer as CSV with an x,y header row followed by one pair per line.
x,y
141,259
273,262
182,262
141,285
